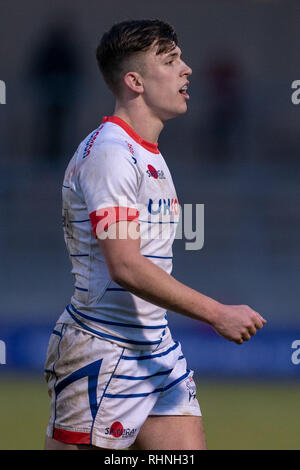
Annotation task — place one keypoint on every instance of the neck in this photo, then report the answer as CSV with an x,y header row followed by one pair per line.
x,y
140,119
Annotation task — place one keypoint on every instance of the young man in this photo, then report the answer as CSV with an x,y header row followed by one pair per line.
x,y
116,377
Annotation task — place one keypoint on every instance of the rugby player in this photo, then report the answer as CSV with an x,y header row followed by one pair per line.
x,y
116,377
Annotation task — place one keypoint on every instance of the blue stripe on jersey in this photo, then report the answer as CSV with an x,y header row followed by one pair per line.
x,y
79,255
54,332
158,222
181,357
106,322
164,389
116,338
81,288
144,377
152,356
67,187
162,257
157,390
78,221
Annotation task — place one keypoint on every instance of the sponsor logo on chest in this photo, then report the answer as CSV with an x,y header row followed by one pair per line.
x,y
164,206
156,174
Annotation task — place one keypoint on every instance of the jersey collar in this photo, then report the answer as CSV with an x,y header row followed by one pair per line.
x,y
144,143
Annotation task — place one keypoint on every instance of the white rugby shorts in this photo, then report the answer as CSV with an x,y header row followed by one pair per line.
x,y
102,393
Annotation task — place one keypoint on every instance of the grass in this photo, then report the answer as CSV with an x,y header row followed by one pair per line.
x,y
251,415
24,413
236,415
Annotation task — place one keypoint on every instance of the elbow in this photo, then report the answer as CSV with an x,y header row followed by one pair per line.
x,y
117,275
123,273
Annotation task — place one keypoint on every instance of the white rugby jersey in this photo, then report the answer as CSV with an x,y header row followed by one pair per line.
x,y
116,175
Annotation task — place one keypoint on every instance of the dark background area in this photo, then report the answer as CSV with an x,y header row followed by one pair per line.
x,y
236,151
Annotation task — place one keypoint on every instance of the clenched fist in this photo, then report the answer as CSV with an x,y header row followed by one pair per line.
x,y
237,322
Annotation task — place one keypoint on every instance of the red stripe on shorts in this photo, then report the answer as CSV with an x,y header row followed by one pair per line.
x,y
103,218
71,437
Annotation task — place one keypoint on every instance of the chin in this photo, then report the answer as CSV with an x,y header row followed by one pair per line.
x,y
184,109
171,114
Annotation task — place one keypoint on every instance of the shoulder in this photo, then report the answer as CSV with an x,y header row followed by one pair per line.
x,y
104,143
106,156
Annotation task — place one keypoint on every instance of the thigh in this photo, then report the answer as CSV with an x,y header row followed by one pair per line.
x,y
171,433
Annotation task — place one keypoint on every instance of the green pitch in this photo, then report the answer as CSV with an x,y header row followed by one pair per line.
x,y
236,415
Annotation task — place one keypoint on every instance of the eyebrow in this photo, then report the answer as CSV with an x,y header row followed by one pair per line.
x,y
173,54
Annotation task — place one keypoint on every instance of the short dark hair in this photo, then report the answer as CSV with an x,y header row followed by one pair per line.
x,y
126,39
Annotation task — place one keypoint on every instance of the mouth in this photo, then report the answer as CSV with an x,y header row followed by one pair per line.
x,y
183,91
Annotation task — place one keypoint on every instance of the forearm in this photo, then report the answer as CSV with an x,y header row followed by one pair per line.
x,y
148,281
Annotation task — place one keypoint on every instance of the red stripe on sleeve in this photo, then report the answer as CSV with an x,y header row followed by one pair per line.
x,y
71,437
103,218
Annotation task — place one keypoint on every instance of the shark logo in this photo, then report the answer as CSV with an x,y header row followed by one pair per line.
x,y
190,385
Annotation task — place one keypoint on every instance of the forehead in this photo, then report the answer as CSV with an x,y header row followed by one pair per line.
x,y
153,56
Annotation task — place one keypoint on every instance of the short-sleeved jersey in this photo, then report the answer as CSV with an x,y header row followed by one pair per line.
x,y
116,175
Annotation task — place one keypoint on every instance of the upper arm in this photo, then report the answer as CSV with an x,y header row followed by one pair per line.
x,y
109,181
120,245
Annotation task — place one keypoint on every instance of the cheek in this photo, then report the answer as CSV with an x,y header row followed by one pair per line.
x,y
164,91
157,93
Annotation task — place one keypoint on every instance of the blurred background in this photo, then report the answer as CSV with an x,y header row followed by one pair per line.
x,y
236,151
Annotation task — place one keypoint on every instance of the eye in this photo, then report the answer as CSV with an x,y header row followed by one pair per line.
x,y
170,62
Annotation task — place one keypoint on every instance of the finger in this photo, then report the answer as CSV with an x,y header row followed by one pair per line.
x,y
261,318
258,324
252,330
238,341
246,336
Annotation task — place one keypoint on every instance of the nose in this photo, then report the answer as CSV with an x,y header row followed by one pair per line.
x,y
186,70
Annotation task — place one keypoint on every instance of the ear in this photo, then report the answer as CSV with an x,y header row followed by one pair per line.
x,y
134,81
